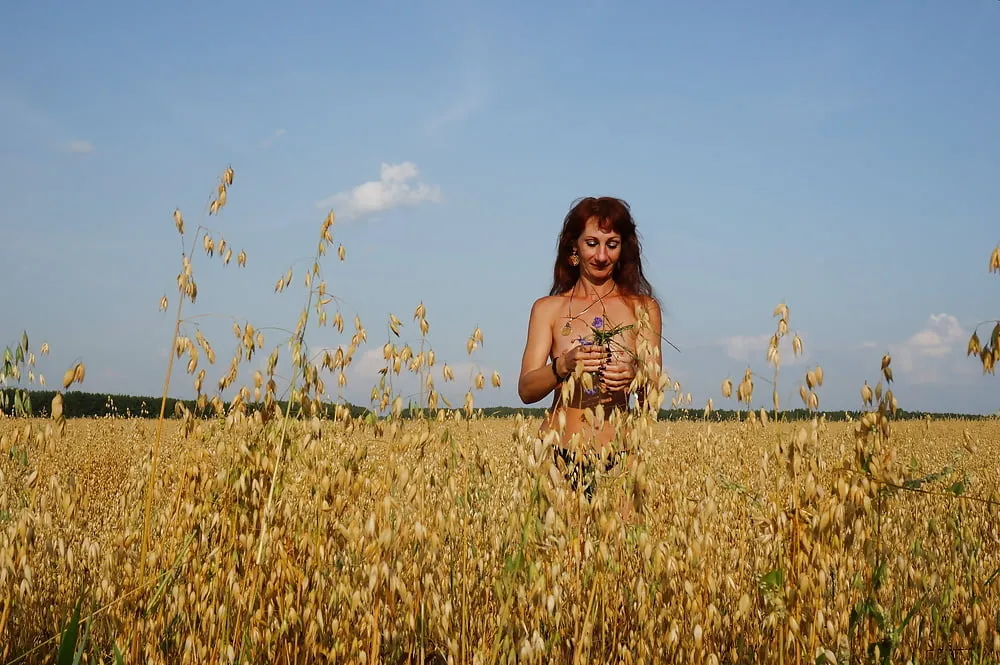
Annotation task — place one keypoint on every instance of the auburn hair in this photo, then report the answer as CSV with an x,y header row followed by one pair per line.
x,y
612,215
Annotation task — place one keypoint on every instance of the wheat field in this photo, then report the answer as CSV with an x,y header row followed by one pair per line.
x,y
450,542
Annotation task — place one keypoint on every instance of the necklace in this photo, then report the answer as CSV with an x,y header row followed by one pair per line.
x,y
567,329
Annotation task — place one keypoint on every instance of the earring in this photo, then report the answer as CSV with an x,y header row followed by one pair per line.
x,y
574,259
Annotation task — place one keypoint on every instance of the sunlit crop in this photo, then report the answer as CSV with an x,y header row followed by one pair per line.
x,y
275,526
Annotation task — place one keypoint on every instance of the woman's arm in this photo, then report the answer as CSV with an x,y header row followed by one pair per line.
x,y
537,380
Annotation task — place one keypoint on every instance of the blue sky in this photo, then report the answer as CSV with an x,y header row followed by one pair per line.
x,y
840,156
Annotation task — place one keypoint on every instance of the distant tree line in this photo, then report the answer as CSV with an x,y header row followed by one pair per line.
x,y
723,415
96,405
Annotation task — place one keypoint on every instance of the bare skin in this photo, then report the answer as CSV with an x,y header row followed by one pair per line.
x,y
594,295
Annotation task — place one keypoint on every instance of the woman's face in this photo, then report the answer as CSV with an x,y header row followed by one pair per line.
x,y
599,251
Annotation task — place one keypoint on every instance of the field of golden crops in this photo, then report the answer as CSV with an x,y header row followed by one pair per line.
x,y
254,532
453,542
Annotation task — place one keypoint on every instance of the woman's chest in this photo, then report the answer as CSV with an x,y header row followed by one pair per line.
x,y
585,321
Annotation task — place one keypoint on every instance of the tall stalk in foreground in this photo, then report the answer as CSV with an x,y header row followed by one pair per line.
x,y
302,367
187,289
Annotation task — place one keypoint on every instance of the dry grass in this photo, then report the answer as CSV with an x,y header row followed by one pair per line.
x,y
274,535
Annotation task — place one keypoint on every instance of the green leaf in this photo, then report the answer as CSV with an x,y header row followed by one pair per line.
x,y
879,576
774,579
78,656
957,489
993,576
68,644
821,659
855,618
913,483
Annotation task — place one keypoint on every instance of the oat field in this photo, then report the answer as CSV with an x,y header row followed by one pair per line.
x,y
450,542
278,527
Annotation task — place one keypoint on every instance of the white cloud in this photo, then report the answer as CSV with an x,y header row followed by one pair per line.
x,y
369,364
396,187
922,356
80,147
942,332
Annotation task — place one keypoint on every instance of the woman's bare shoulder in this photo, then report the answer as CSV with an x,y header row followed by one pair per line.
x,y
647,303
651,304
547,305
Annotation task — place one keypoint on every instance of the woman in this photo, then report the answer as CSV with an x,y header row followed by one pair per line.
x,y
598,287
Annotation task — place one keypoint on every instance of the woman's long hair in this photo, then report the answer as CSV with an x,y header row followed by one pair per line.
x,y
612,215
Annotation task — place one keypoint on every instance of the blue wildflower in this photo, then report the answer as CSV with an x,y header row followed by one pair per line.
x,y
598,322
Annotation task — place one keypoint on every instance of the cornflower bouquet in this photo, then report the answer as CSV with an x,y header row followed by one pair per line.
x,y
606,337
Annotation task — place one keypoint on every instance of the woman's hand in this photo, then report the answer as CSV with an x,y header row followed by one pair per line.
x,y
618,372
592,356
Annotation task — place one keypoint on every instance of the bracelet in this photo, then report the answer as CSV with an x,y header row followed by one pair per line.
x,y
555,372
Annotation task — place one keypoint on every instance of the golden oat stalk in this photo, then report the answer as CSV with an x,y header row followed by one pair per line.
x,y
187,287
302,369
745,389
987,353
